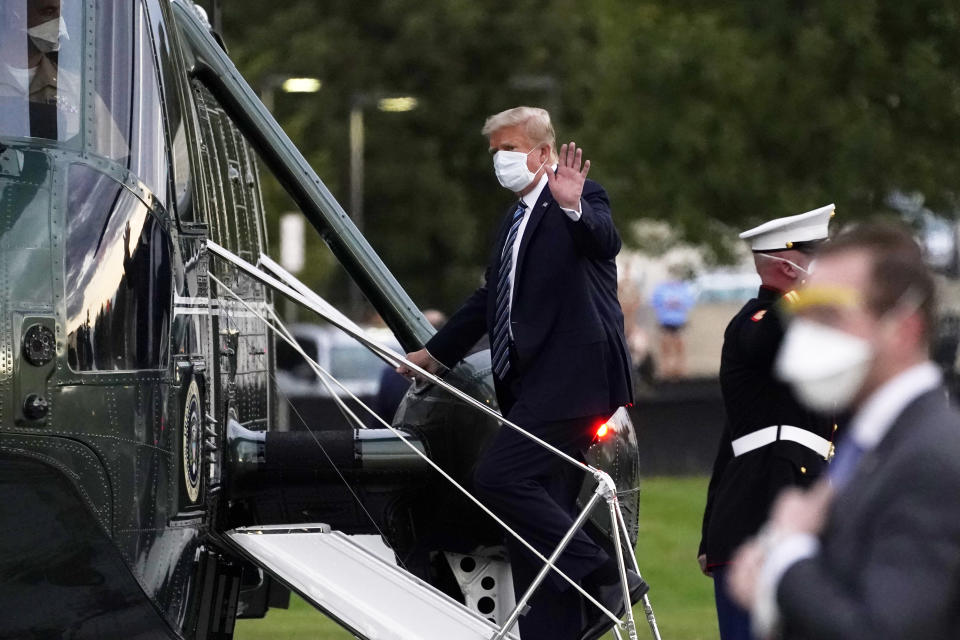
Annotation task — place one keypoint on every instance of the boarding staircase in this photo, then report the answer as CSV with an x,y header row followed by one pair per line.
x,y
371,597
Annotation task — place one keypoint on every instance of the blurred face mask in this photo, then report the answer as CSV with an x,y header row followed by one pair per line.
x,y
825,367
511,169
47,36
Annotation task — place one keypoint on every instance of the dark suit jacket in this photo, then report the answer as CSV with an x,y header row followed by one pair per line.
x,y
889,566
571,354
742,489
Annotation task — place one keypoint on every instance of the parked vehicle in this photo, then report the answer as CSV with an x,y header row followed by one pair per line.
x,y
357,369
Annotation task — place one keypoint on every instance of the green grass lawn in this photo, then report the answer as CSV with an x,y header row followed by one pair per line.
x,y
670,512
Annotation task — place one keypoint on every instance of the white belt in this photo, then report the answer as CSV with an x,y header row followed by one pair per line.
x,y
769,435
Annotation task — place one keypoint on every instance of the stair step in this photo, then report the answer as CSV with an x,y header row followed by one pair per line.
x,y
368,596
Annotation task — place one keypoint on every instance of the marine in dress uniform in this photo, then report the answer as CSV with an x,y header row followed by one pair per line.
x,y
770,441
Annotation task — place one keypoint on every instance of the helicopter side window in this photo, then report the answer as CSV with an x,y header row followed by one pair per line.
x,y
177,113
130,124
118,278
40,79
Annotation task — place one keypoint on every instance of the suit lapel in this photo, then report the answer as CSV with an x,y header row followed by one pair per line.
x,y
866,479
502,233
544,202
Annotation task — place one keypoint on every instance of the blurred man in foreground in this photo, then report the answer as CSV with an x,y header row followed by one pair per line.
x,y
874,550
560,363
769,440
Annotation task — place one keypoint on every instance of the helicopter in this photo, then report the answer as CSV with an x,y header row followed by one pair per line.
x,y
146,490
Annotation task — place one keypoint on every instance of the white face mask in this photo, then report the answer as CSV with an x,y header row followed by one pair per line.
x,y
825,367
511,169
806,271
47,36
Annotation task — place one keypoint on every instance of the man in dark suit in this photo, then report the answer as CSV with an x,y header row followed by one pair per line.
x,y
873,551
769,441
559,357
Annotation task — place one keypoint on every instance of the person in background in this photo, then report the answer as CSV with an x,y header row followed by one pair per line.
x,y
672,301
873,550
770,441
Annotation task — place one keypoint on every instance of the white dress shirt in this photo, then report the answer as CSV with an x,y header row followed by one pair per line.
x,y
530,199
867,428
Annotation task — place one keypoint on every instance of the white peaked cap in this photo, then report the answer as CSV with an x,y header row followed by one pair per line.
x,y
786,233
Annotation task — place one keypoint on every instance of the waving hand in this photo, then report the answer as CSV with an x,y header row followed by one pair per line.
x,y
567,184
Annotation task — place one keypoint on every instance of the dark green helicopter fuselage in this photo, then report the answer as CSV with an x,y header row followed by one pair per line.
x,y
126,374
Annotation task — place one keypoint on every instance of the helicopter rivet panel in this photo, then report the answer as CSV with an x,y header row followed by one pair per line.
x,y
86,473
27,202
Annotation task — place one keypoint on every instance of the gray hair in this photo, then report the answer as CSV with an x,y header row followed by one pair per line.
x,y
536,123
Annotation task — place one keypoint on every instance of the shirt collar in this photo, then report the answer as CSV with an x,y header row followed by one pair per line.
x,y
767,292
531,198
878,413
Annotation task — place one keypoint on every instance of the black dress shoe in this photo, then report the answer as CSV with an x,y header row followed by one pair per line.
x,y
611,597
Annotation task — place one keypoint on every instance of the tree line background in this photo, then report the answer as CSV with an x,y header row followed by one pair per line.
x,y
708,116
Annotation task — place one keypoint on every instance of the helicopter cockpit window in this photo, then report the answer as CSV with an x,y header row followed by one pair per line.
x,y
118,278
45,92
127,81
40,60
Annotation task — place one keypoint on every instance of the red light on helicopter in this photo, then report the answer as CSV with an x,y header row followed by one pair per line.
x,y
603,430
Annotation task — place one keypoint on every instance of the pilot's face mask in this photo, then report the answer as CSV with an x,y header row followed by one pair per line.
x,y
47,36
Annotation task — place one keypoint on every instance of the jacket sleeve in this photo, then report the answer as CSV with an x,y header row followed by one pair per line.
x,y
758,338
594,234
464,328
907,587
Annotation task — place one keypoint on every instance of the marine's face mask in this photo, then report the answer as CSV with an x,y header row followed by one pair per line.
x,y
807,272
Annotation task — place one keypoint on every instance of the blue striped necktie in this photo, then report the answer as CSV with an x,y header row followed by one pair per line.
x,y
500,355
845,462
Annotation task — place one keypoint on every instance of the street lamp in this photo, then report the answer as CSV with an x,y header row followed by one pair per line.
x,y
301,85
291,230
389,104
545,85
397,104
287,84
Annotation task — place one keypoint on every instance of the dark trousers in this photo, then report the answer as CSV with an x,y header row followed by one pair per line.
x,y
535,492
734,621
